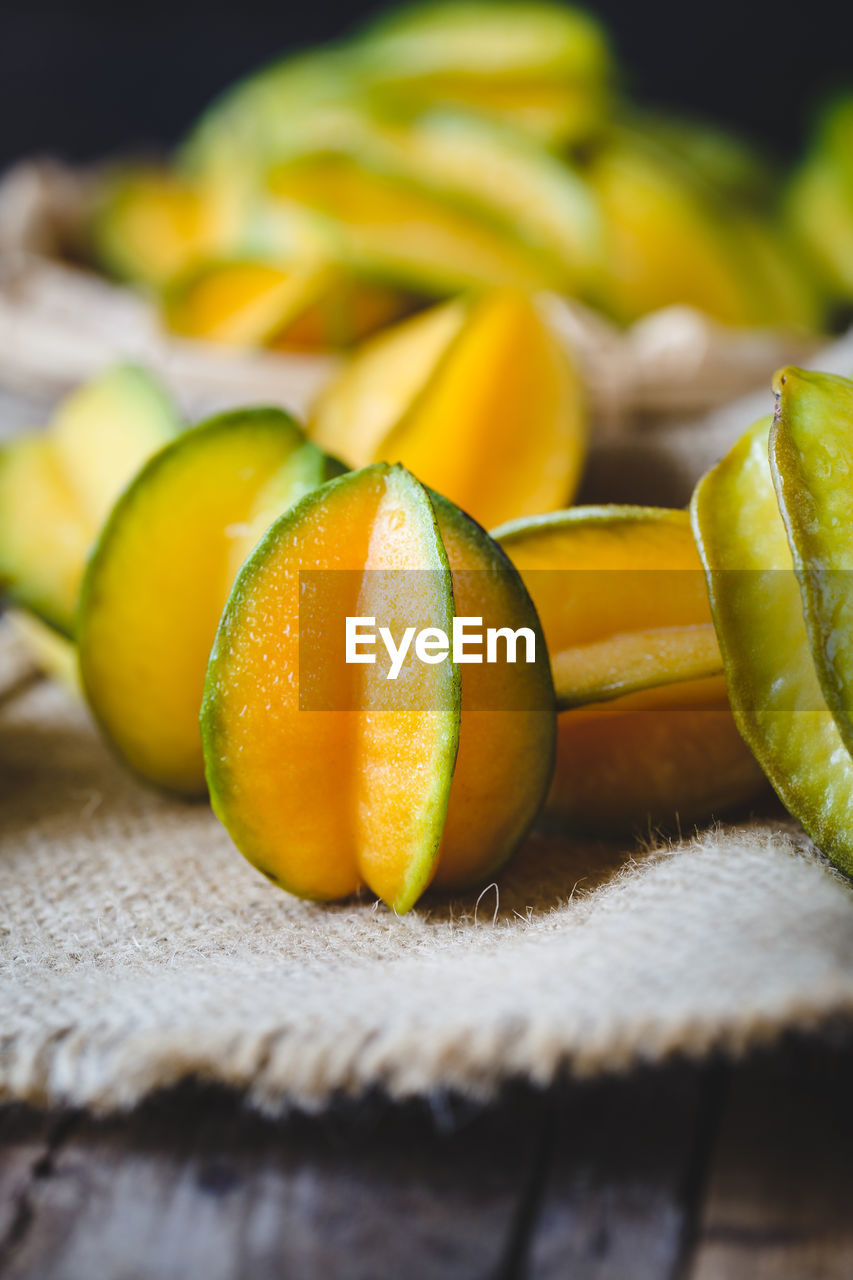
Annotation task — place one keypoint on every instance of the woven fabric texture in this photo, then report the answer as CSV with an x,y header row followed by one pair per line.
x,y
138,948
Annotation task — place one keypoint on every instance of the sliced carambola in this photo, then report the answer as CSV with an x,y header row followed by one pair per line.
x,y
150,226
401,230
162,570
324,799
250,304
540,197
478,399
44,537
645,733
541,67
355,415
624,596
773,685
106,429
544,67
463,164
57,487
506,744
362,784
669,236
240,303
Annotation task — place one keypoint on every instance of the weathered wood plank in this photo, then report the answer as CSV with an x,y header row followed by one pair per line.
x,y
780,1195
24,1149
617,1199
191,1185
186,1189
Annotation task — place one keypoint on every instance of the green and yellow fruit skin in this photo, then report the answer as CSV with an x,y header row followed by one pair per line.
x,y
543,69
524,40
671,236
437,785
393,226
819,199
293,105
773,686
477,397
811,458
645,735
161,572
151,225
57,486
508,733
493,173
546,69
286,781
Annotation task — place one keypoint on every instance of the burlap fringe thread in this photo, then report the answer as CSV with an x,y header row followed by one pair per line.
x,y
137,949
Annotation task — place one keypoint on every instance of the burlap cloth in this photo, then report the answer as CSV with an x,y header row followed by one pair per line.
x,y
138,948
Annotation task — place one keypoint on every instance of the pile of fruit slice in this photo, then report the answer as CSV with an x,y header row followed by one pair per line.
x,y
409,195
209,626
445,149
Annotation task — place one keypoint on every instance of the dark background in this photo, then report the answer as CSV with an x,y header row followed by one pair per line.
x,y
88,77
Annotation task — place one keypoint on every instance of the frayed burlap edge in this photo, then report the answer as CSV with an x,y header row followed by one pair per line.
x,y
138,949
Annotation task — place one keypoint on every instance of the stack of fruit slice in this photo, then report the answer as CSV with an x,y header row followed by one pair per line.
x,y
451,148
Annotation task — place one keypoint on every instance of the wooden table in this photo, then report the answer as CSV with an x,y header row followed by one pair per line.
x,y
713,1172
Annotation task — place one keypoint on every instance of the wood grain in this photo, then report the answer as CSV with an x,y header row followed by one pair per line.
x,y
682,1173
617,1200
779,1203
201,1189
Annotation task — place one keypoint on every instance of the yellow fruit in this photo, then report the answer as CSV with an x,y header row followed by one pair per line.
x,y
649,738
57,487
478,399
392,786
162,570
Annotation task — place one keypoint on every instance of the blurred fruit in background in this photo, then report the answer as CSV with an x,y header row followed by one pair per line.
x,y
820,200
306,307
477,398
57,486
445,149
